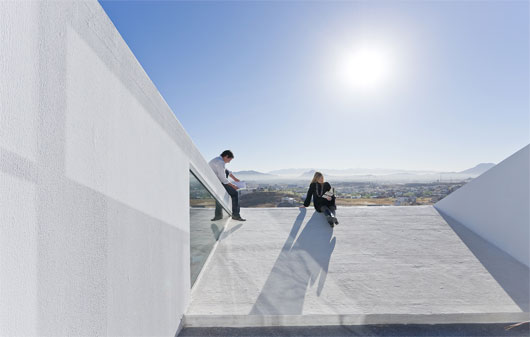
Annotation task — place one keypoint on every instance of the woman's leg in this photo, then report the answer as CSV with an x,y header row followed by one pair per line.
x,y
329,216
325,209
333,214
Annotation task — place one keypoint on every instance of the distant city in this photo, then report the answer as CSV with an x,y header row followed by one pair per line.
x,y
349,193
353,187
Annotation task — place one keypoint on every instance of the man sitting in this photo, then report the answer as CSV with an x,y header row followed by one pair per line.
x,y
218,166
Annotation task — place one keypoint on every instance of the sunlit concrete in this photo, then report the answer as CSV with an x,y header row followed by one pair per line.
x,y
380,265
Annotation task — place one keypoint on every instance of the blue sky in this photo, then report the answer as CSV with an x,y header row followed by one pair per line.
x,y
266,79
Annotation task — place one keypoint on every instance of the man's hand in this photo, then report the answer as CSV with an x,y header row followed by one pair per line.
x,y
301,206
234,187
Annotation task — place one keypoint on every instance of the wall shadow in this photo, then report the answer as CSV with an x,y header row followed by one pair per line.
x,y
300,264
17,166
510,274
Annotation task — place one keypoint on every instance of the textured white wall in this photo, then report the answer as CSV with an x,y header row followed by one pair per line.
x,y
496,205
94,202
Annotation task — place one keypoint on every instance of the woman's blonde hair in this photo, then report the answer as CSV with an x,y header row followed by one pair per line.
x,y
316,177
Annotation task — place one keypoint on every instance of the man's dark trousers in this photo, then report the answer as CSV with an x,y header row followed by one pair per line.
x,y
235,202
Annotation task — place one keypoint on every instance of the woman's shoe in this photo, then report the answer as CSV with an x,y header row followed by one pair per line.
x,y
331,222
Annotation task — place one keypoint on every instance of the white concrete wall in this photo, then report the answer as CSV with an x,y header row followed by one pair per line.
x,y
94,181
496,205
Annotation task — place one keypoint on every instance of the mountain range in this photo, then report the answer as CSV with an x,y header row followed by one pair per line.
x,y
364,174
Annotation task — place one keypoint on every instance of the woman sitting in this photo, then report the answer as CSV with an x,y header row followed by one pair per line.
x,y
323,202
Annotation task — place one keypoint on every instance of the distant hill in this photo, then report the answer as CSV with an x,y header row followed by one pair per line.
x,y
304,172
289,172
365,174
479,169
253,175
308,174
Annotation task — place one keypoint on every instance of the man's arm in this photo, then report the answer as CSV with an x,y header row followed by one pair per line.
x,y
233,177
219,171
229,174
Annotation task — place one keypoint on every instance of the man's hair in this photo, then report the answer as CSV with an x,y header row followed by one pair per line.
x,y
227,153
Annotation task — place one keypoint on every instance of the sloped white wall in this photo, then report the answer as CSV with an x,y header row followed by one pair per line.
x,y
94,181
496,205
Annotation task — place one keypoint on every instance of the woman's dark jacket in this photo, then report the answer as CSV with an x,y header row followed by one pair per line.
x,y
315,191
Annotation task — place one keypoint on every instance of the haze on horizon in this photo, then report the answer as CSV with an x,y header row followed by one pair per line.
x,y
361,170
437,86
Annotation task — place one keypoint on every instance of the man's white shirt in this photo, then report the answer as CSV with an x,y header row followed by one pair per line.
x,y
218,166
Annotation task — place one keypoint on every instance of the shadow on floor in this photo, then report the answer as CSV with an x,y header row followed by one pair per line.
x,y
510,274
227,233
298,267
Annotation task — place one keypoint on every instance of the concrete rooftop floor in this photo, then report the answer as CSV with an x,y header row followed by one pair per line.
x,y
380,265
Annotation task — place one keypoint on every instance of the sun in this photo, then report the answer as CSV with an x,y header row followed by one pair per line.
x,y
365,68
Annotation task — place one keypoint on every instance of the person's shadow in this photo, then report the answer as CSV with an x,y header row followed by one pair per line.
x,y
297,268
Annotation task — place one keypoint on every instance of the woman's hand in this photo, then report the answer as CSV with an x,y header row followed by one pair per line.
x,y
301,206
328,198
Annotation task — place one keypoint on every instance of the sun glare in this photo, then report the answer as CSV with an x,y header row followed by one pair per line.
x,y
365,68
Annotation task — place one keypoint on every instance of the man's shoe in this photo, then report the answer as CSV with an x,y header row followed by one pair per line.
x,y
331,222
238,218
336,221
216,218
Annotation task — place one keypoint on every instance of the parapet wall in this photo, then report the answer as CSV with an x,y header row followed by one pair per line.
x,y
496,205
94,174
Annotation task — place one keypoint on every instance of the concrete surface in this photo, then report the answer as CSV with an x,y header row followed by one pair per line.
x,y
203,236
380,265
443,330
496,205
